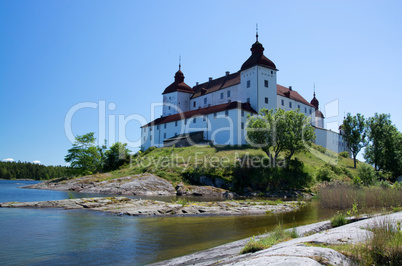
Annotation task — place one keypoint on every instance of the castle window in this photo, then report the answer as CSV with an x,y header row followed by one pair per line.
x,y
266,99
185,121
145,129
226,113
290,104
298,106
164,126
221,95
282,102
305,110
204,118
144,138
150,137
248,83
175,123
150,129
175,134
194,103
228,93
205,100
194,120
215,115
242,125
242,112
169,107
266,83
272,72
310,111
248,100
164,135
157,127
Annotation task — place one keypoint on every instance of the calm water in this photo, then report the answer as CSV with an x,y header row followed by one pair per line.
x,y
64,237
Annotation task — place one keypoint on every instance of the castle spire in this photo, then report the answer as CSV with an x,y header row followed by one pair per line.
x,y
179,62
256,32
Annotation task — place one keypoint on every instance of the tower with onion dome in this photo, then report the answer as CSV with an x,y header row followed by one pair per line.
x,y
176,97
258,79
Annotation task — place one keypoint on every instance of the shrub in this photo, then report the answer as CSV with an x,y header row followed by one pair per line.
x,y
338,220
366,174
344,154
324,174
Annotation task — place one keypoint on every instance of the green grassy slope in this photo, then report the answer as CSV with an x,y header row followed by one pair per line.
x,y
187,164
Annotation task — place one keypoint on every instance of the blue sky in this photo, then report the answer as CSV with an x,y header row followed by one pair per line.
x,y
57,55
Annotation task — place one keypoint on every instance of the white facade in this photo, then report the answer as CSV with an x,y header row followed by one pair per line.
x,y
219,108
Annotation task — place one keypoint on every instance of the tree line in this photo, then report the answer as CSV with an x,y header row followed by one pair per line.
x,y
26,170
86,158
380,138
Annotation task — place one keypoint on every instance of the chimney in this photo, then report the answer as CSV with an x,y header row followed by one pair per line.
x,y
196,84
227,73
210,79
290,88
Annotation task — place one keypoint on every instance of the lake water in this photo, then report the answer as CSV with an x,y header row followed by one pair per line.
x,y
65,237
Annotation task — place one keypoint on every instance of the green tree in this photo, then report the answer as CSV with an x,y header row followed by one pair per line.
x,y
384,150
84,157
116,156
354,133
280,131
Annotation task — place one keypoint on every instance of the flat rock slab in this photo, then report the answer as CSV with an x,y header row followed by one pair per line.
x,y
142,184
298,251
138,207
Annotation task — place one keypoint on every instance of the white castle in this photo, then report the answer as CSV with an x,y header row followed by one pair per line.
x,y
215,112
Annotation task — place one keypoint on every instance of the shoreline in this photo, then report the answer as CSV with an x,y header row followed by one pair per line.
x,y
303,250
138,207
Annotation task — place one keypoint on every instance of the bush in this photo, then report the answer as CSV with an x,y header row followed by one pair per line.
x,y
338,220
366,174
344,154
324,174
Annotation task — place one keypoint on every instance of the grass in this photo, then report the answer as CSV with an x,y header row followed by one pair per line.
x,y
277,236
382,247
345,196
187,164
338,219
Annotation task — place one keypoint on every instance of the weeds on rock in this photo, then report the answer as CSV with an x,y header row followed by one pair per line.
x,y
277,236
338,220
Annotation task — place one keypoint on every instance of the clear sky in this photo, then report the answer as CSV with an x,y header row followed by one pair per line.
x,y
106,59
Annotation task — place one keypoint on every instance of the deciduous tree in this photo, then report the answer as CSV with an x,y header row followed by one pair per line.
x,y
354,128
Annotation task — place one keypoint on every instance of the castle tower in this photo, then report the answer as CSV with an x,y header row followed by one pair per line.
x,y
176,97
318,119
258,79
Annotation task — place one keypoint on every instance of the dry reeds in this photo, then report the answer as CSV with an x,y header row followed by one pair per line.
x,y
344,196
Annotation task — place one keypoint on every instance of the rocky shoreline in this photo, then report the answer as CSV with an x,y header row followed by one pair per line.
x,y
298,251
139,207
142,184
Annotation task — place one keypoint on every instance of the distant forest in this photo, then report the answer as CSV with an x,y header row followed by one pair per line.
x,y
19,170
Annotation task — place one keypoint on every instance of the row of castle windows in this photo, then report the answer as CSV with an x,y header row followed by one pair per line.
x,y
290,106
204,118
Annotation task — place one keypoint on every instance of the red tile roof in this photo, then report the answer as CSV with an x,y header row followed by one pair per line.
x,y
258,58
178,84
203,111
216,84
294,95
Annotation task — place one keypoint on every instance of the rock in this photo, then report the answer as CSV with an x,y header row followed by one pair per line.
x,y
292,252
205,191
220,183
206,181
137,207
230,195
143,184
